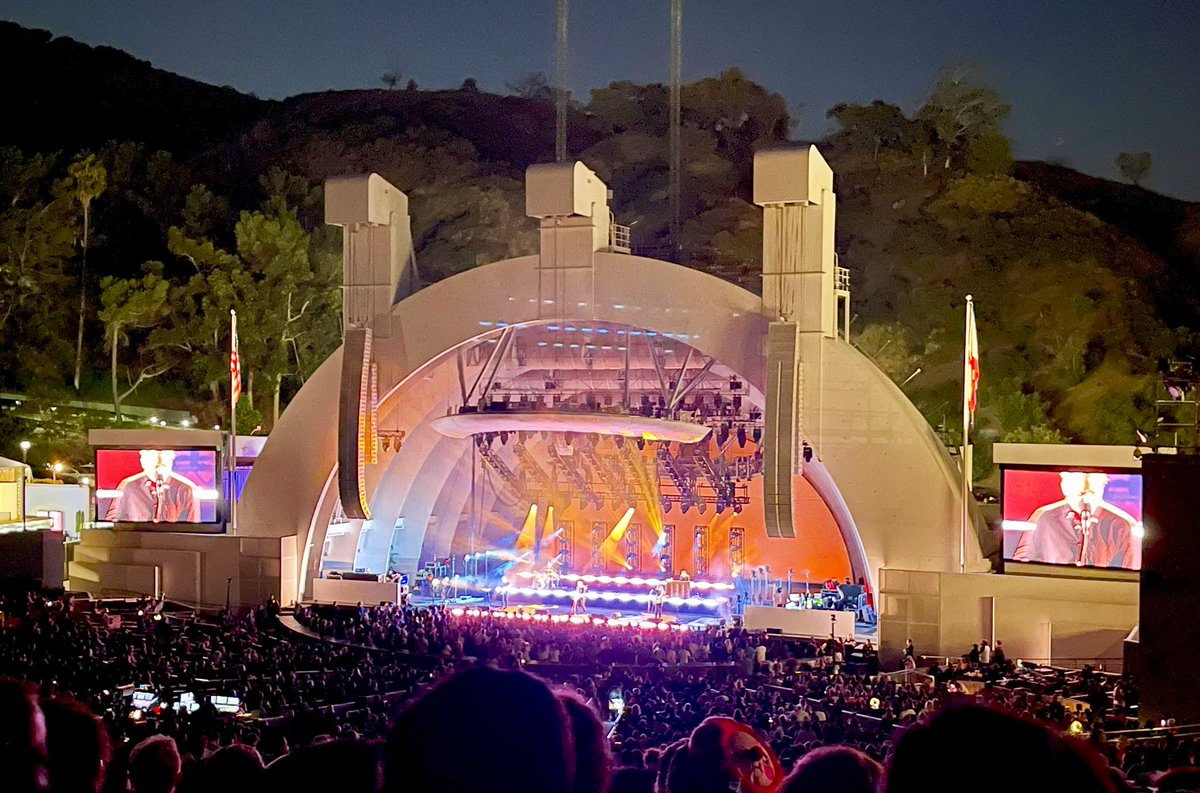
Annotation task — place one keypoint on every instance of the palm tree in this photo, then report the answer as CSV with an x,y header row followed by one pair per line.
x,y
89,179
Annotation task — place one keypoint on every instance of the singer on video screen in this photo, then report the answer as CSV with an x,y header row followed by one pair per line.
x,y
1081,529
157,494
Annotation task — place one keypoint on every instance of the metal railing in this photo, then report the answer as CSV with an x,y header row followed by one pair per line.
x,y
841,278
619,238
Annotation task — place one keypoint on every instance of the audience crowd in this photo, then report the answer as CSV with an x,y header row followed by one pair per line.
x,y
399,699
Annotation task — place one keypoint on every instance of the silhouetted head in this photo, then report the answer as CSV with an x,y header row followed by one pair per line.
x,y
722,753
482,730
155,765
22,739
834,768
341,766
943,754
593,758
233,769
77,746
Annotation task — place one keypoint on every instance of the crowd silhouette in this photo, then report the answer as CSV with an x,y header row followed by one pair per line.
x,y
398,699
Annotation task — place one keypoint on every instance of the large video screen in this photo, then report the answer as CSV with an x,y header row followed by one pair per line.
x,y
156,485
1072,517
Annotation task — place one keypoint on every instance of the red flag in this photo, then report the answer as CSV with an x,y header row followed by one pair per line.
x,y
235,363
971,372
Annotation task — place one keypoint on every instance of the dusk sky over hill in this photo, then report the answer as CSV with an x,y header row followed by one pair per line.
x,y
1086,79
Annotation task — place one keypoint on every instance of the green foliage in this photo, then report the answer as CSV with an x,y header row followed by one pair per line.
x,y
890,345
284,284
127,306
990,155
961,111
982,195
37,241
204,212
876,126
1038,433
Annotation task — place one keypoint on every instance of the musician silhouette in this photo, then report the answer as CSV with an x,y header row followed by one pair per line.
x,y
1082,529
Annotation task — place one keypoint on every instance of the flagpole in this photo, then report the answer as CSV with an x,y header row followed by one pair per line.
x,y
232,428
965,457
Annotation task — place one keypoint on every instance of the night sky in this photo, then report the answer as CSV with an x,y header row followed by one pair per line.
x,y
1086,79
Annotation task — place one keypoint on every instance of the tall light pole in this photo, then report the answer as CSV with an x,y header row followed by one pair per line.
x,y
25,446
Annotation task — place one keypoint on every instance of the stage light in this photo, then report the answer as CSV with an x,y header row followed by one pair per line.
x,y
641,443
741,437
875,703
757,435
737,509
701,507
503,437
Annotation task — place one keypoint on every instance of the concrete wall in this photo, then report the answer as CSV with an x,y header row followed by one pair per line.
x,y
1047,619
191,568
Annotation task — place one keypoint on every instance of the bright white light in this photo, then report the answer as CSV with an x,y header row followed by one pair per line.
x,y
185,423
86,480
154,419
1138,530
25,446
58,468
1017,525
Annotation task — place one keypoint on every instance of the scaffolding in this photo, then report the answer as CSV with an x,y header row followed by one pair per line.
x,y
701,551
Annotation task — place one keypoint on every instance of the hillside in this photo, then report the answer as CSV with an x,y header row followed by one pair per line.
x,y
1082,284
71,96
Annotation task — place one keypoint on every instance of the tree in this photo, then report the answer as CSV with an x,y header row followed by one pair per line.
x,y
878,125
37,241
411,85
88,180
284,283
470,85
961,110
535,86
1134,166
129,304
390,79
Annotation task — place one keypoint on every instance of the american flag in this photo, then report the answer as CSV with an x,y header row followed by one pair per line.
x,y
235,363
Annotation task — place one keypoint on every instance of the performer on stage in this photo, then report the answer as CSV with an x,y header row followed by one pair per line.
x,y
658,596
579,599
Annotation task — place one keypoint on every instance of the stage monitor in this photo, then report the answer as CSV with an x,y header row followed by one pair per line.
x,y
1078,517
158,488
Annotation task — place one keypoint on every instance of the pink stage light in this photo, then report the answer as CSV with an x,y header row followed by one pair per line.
x,y
457,612
663,626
